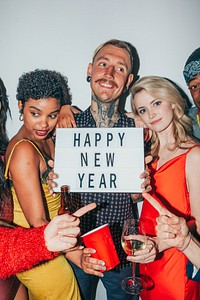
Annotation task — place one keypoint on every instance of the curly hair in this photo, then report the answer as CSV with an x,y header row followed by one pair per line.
x,y
163,89
67,96
5,193
39,84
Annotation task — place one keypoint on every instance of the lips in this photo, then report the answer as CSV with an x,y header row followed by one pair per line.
x,y
42,132
155,122
106,83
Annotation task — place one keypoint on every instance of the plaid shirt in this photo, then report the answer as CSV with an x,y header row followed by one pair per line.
x,y
112,208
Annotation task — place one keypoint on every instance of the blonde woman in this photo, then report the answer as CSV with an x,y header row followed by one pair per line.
x,y
175,183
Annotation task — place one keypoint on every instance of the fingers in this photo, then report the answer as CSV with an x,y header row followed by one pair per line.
x,y
165,231
148,159
72,231
92,265
148,254
83,210
156,205
70,242
146,185
51,163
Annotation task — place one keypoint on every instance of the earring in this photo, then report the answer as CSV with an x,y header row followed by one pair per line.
x,y
88,78
21,117
125,89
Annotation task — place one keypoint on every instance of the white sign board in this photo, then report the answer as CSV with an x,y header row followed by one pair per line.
x,y
99,159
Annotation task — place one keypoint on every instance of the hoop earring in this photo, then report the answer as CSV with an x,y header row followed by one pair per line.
x,y
88,78
21,117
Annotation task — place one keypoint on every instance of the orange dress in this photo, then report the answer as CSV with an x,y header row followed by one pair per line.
x,y
167,274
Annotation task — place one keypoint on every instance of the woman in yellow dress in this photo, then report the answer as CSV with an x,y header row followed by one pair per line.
x,y
39,96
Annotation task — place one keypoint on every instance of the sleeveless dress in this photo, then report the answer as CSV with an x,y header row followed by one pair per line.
x,y
167,274
54,279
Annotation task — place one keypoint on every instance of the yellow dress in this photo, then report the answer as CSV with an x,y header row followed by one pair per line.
x,y
53,280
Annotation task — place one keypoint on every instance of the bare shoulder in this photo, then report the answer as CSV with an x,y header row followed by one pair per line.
x,y
21,149
194,154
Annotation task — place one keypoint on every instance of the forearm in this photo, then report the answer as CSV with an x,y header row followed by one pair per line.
x,y
21,249
192,251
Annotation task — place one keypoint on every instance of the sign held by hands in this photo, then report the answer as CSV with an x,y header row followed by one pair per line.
x,y
99,159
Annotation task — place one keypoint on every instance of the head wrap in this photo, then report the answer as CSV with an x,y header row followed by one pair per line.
x,y
192,66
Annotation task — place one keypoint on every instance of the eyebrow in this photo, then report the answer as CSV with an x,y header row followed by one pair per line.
x,y
57,110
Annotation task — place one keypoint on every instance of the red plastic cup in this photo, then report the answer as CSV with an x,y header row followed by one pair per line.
x,y
101,240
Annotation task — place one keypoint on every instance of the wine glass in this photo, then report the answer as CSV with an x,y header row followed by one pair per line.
x,y
133,238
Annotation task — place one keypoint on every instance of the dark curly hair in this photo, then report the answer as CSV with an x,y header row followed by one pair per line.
x,y
5,194
39,84
67,96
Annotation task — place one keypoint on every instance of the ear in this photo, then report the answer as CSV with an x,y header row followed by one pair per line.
x,y
89,69
20,106
129,80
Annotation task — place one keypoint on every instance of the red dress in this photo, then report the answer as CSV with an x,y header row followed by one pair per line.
x,y
168,271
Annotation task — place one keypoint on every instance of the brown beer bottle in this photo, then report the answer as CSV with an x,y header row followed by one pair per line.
x,y
65,205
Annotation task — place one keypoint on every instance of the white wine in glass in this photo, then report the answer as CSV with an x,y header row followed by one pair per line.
x,y
133,239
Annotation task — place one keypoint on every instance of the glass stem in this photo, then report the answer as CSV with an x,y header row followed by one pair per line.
x,y
133,269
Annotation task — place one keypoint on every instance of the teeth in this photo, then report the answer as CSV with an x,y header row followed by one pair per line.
x,y
106,85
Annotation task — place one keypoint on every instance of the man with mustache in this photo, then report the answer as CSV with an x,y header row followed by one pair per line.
x,y
110,76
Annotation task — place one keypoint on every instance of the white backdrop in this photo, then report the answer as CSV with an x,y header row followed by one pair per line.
x,y
62,35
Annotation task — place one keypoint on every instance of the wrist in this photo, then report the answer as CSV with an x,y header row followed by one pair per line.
x,y
186,243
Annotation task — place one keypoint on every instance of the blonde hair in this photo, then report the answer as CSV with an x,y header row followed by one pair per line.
x,y
163,89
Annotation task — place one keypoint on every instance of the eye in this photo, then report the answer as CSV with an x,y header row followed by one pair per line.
x,y
194,87
157,103
120,69
35,114
141,111
102,64
53,116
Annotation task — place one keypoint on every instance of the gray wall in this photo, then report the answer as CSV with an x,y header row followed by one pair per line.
x,y
62,35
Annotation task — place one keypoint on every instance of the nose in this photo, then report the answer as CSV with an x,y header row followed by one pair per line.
x,y
110,71
44,123
151,114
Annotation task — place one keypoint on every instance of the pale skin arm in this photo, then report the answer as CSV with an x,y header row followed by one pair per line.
x,y
25,173
192,177
173,232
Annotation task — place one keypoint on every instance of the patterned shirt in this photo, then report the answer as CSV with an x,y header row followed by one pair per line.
x,y
112,208
192,113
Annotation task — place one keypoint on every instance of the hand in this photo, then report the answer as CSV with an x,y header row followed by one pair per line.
x,y
172,230
91,265
66,117
146,255
61,233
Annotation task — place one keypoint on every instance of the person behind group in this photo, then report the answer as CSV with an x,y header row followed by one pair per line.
x,y
110,75
39,95
173,231
175,182
191,74
8,287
